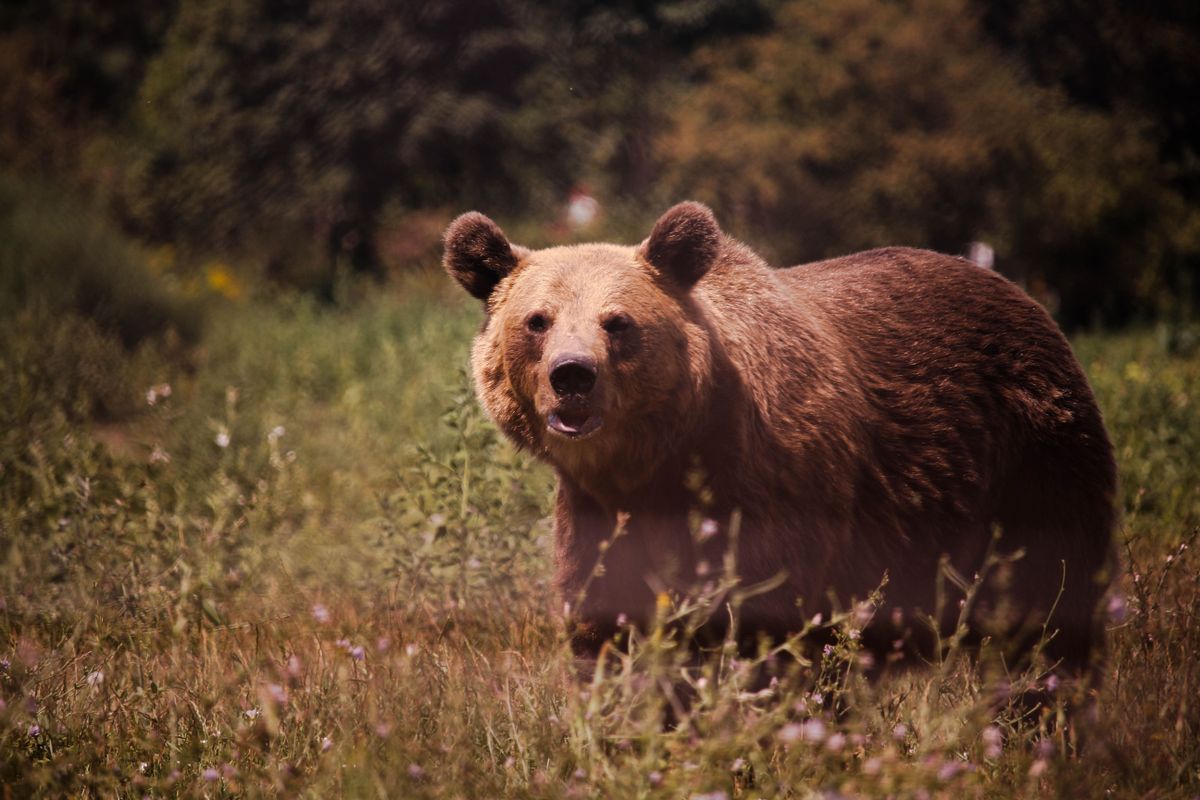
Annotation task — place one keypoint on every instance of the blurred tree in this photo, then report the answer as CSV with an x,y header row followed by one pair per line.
x,y
291,121
861,123
619,60
69,70
1137,61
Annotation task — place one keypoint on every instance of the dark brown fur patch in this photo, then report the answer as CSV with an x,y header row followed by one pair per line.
x,y
477,253
684,242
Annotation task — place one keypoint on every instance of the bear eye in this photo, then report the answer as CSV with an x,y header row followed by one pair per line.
x,y
537,323
617,323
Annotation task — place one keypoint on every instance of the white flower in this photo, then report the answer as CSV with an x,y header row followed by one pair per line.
x,y
222,438
792,732
95,678
814,731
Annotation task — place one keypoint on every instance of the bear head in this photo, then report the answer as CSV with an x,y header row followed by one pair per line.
x,y
595,357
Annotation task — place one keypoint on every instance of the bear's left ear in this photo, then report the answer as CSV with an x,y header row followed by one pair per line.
x,y
477,253
684,242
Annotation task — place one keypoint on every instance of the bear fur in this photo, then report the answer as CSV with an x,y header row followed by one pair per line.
x,y
865,416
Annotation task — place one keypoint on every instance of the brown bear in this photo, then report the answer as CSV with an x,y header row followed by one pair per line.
x,y
863,416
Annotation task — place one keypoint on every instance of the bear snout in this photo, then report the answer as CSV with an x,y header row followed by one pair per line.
x,y
573,374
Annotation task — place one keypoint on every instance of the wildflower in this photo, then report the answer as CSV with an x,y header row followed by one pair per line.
x,y
210,774
854,634
1051,683
792,732
95,678
383,730
415,772
708,529
1118,609
34,731
159,456
827,650
357,652
320,613
326,744
294,668
1038,767
143,766
622,620
738,765
863,613
872,766
817,698
993,741
701,683
222,438
579,774
250,713
655,778
950,770
410,649
835,743
277,693
383,644
276,433
817,619
814,731
474,563
900,731
161,390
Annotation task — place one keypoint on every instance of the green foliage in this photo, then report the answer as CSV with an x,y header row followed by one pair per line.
x,y
313,138
841,128
277,122
58,256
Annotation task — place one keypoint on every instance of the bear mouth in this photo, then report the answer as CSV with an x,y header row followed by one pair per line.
x,y
574,421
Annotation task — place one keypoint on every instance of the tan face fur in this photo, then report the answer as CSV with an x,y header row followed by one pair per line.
x,y
589,352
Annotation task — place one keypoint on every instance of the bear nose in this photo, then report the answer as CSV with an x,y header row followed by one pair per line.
x,y
572,374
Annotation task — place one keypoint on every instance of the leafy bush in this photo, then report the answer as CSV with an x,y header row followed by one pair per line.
x,y
61,257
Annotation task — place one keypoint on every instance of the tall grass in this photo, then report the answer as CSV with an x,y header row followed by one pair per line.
x,y
314,569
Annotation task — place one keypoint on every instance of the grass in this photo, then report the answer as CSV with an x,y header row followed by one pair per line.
x,y
315,570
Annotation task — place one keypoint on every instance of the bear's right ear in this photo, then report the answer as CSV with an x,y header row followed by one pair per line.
x,y
478,254
684,242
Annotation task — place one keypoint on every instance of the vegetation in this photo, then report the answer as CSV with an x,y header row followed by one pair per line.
x,y
256,537
300,139
310,567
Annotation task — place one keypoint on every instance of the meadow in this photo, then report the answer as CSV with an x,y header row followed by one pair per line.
x,y
287,555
